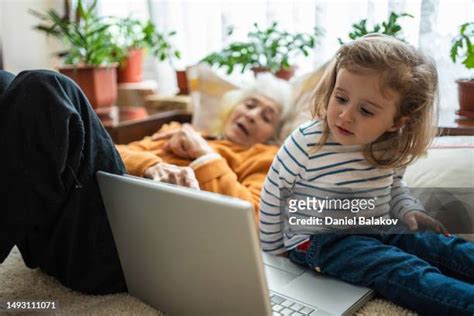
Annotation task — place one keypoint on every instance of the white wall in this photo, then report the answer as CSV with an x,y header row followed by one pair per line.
x,y
23,47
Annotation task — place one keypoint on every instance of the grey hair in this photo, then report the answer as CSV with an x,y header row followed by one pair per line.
x,y
265,84
278,90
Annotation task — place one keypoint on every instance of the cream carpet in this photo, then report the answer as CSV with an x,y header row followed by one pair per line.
x,y
19,282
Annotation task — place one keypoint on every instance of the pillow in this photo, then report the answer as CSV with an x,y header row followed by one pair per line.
x,y
449,163
213,97
207,89
301,111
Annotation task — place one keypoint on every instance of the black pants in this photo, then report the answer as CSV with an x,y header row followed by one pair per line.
x,y
52,144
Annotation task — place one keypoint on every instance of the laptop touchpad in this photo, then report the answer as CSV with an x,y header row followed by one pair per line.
x,y
282,263
278,279
321,291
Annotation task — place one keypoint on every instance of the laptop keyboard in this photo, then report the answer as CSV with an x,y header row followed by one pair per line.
x,y
283,306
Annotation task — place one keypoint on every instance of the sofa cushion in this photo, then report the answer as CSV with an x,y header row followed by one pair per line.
x,y
449,163
443,181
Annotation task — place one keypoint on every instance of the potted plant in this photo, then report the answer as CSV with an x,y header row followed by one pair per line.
x,y
463,48
89,57
133,37
389,27
269,49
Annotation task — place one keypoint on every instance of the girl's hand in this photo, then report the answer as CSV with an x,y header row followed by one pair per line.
x,y
163,172
185,143
418,219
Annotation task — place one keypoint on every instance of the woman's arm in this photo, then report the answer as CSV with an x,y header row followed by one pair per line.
x,y
137,161
140,155
212,171
215,175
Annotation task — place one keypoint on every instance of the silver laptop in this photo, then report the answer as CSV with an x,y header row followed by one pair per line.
x,y
189,252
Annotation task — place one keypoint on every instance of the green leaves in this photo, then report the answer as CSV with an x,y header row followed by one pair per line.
x,y
94,40
132,33
87,38
462,47
389,27
237,53
271,48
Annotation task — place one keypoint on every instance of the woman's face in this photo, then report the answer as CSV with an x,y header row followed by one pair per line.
x,y
253,121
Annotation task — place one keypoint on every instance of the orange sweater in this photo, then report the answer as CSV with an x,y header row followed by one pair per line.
x,y
239,173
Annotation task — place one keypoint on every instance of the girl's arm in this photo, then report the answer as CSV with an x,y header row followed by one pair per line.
x,y
409,210
402,201
271,219
281,178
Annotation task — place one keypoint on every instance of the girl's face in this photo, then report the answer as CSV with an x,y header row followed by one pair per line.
x,y
358,111
253,121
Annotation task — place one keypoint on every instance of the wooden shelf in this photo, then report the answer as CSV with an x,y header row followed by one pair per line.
x,y
125,132
451,124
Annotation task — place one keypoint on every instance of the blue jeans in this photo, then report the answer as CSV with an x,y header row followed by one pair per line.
x,y
426,272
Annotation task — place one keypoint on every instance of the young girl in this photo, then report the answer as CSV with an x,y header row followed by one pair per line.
x,y
375,106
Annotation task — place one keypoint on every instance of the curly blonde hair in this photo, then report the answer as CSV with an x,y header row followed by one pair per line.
x,y
404,70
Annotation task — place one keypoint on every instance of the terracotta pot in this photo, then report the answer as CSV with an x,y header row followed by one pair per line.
x,y
283,73
466,97
99,84
108,115
129,113
132,69
113,115
258,70
182,79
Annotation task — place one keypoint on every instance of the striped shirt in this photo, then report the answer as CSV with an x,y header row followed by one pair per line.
x,y
334,169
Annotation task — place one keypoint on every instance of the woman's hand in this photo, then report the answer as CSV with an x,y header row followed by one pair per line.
x,y
185,142
164,172
418,219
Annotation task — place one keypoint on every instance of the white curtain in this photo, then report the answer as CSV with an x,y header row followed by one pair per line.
x,y
201,26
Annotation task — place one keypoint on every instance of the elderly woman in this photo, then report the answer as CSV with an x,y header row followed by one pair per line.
x,y
235,165
52,145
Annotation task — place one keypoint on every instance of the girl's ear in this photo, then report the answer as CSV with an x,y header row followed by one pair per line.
x,y
403,121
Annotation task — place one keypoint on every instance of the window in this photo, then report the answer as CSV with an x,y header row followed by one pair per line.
x,y
201,26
